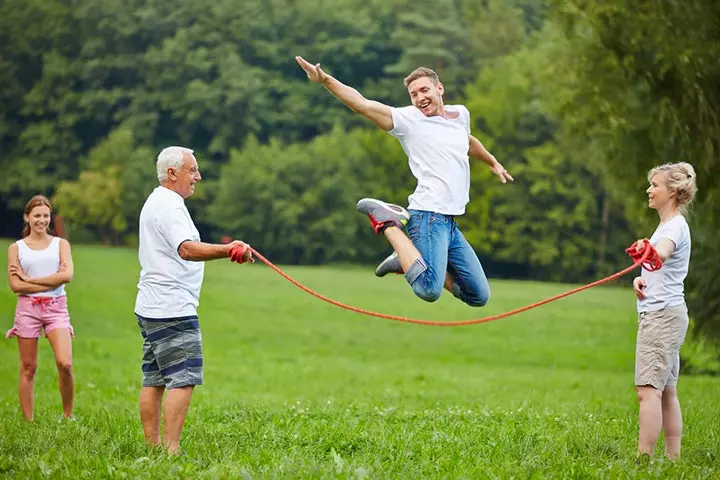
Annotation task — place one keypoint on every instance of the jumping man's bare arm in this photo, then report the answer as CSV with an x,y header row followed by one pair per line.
x,y
376,112
478,150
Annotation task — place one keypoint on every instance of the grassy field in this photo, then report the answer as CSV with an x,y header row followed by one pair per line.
x,y
296,388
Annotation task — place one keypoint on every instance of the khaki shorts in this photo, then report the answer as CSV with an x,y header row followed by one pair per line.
x,y
657,356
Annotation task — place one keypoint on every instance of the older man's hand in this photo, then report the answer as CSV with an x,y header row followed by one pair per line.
x,y
240,252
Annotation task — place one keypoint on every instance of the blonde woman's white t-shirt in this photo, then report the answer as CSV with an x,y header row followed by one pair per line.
x,y
665,287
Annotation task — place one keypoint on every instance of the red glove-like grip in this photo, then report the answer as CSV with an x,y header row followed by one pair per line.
x,y
236,253
652,262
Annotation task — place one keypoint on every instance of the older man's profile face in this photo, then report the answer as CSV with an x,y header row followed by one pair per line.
x,y
187,177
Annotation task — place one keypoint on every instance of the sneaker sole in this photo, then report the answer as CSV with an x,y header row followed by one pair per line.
x,y
368,205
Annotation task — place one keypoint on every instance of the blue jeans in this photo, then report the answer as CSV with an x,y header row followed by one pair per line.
x,y
444,249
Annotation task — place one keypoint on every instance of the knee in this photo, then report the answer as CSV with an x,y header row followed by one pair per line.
x,y
669,394
427,286
477,303
478,297
64,367
648,393
28,369
479,300
428,294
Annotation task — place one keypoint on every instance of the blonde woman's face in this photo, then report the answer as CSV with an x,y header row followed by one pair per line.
x,y
659,195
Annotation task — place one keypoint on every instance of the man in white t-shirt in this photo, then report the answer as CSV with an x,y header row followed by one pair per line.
x,y
172,259
438,142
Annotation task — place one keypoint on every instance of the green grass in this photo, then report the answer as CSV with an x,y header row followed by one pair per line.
x,y
296,388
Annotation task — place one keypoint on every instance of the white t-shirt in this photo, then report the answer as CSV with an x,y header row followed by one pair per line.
x,y
437,150
169,286
665,286
41,263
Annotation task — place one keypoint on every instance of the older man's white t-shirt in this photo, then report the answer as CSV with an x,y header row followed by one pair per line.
x,y
437,150
169,286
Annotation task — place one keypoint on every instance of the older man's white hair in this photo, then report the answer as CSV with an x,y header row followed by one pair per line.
x,y
170,157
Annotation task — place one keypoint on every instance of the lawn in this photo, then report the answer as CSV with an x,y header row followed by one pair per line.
x,y
297,388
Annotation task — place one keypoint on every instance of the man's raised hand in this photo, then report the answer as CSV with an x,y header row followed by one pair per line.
x,y
314,72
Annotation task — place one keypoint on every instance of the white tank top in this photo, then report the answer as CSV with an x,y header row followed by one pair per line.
x,y
41,263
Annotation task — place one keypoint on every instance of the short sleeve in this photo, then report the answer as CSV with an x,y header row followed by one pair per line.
x,y
675,231
402,119
465,116
175,226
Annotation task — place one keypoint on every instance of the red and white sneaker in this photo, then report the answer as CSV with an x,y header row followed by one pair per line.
x,y
383,215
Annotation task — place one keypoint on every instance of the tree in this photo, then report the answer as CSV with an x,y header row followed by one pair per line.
x,y
94,201
438,41
648,95
549,219
106,199
297,202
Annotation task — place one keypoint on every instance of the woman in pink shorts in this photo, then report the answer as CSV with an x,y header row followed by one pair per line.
x,y
39,266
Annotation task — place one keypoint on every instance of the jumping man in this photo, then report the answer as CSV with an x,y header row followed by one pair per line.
x,y
438,143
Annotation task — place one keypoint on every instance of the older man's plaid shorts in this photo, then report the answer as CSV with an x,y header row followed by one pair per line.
x,y
172,352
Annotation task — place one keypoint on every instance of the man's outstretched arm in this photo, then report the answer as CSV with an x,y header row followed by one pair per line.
x,y
376,112
478,150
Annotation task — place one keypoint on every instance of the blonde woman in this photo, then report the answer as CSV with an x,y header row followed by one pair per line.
x,y
662,314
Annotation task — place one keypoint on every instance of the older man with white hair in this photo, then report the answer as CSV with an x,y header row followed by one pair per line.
x,y
172,259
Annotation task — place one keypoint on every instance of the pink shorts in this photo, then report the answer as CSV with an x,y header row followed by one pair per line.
x,y
33,314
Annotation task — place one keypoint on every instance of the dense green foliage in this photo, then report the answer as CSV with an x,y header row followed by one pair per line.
x,y
578,99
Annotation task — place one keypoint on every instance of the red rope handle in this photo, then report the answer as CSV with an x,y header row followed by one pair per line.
x,y
637,251
648,257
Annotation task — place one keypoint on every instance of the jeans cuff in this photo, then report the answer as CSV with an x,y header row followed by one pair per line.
x,y
417,268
